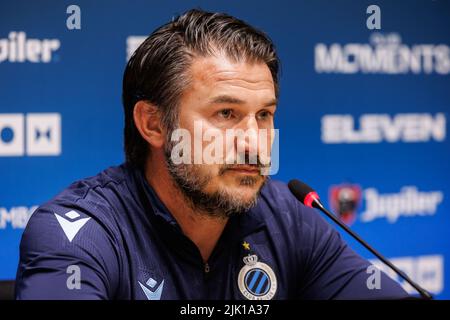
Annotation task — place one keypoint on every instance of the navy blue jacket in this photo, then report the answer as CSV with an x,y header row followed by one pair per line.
x,y
110,237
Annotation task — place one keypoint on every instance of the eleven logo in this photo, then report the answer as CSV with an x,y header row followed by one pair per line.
x,y
149,289
33,134
71,223
379,128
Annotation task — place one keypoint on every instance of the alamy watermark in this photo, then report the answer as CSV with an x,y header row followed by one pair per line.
x,y
233,146
73,21
374,280
74,279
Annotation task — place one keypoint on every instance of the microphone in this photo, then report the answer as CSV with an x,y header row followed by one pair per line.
x,y
306,195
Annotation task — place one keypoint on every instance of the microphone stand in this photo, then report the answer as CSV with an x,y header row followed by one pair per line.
x,y
425,294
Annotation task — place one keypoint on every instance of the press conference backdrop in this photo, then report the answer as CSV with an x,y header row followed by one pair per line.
x,y
365,97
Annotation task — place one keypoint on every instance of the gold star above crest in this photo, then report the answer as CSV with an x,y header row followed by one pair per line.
x,y
246,245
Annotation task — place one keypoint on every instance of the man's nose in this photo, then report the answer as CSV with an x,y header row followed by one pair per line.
x,y
248,143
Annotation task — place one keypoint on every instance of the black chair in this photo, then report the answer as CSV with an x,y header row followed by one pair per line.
x,y
7,290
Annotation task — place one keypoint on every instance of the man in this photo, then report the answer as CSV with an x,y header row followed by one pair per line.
x,y
156,228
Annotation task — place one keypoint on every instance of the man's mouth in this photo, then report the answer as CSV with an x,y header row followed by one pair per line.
x,y
245,169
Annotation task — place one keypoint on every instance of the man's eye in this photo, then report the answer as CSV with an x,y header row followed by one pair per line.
x,y
225,113
264,115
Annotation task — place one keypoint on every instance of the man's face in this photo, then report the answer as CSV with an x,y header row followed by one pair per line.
x,y
225,96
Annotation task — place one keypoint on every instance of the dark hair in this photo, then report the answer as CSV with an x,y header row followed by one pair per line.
x,y
156,72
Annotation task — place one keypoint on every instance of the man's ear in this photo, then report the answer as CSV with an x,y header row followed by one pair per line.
x,y
147,120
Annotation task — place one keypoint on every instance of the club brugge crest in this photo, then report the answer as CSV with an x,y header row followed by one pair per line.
x,y
256,279
344,200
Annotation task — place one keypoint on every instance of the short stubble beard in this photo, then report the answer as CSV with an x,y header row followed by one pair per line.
x,y
192,183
